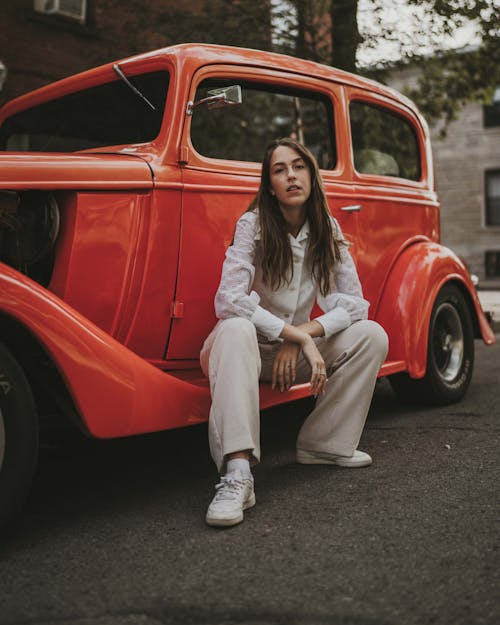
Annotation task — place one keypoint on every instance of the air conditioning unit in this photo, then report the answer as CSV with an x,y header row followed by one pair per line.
x,y
75,9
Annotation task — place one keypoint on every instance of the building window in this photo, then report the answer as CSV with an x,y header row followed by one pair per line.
x,y
492,263
491,112
493,198
74,9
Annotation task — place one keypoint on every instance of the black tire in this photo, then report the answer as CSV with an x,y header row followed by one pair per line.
x,y
18,436
450,354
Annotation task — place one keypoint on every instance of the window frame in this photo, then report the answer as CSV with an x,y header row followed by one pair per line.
x,y
487,198
329,91
426,180
103,76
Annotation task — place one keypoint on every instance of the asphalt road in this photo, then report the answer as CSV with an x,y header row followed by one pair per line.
x,y
114,532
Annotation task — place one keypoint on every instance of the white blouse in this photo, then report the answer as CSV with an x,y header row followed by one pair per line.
x,y
242,292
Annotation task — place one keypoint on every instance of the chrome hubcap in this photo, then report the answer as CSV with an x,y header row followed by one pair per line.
x,y
448,342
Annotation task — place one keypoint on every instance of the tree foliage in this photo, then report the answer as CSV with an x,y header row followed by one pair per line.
x,y
450,79
330,31
243,23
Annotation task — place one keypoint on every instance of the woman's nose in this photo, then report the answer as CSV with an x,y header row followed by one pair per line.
x,y
291,172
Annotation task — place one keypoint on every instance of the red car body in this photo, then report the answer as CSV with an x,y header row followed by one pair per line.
x,y
144,227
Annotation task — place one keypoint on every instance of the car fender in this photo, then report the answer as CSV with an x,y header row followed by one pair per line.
x,y
409,293
115,391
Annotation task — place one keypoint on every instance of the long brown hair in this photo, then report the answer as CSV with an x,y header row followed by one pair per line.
x,y
324,248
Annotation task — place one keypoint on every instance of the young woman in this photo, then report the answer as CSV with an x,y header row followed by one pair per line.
x,y
287,253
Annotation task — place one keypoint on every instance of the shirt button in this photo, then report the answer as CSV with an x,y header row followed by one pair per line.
x,y
287,315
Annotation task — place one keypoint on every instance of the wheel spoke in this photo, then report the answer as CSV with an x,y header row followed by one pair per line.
x,y
448,342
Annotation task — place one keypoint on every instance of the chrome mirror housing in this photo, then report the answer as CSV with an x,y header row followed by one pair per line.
x,y
218,98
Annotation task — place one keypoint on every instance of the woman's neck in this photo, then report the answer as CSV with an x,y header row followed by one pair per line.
x,y
294,218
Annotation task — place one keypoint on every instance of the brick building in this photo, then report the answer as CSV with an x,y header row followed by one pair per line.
x,y
467,164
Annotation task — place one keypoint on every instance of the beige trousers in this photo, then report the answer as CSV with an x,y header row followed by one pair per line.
x,y
234,362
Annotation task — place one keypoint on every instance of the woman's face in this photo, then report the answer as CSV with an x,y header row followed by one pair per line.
x,y
290,178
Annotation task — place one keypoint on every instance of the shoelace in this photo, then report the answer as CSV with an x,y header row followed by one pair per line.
x,y
228,488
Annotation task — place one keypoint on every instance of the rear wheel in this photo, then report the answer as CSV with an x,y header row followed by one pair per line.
x,y
18,436
450,354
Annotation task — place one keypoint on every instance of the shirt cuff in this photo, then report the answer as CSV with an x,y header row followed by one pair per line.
x,y
267,324
334,321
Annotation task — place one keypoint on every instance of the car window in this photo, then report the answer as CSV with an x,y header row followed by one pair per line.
x,y
241,132
383,142
109,114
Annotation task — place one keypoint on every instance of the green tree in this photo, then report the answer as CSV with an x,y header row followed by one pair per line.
x,y
243,23
450,79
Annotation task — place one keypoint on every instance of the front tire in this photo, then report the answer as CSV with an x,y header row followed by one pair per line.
x,y
18,436
450,354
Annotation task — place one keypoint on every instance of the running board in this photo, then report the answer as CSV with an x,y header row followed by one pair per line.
x,y
270,397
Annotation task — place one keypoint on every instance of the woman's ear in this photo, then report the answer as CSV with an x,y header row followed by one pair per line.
x,y
271,191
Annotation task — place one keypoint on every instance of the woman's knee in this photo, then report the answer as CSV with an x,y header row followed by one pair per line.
x,y
238,331
236,348
375,334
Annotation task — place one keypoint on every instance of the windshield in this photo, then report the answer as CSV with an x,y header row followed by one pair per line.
x,y
109,114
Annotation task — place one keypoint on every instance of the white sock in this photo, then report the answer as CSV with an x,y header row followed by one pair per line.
x,y
239,464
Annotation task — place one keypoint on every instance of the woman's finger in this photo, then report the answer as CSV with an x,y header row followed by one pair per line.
x,y
293,370
318,378
288,373
281,375
284,367
321,386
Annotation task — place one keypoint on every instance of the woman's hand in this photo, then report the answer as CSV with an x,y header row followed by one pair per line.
x,y
299,338
284,366
318,368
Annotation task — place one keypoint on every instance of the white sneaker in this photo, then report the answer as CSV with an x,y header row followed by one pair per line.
x,y
358,459
234,494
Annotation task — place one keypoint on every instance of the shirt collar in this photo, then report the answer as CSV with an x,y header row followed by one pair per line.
x,y
303,233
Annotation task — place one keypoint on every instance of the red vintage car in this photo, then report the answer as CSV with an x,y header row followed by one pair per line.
x,y
119,191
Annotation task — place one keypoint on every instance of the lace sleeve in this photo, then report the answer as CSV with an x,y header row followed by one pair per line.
x,y
234,297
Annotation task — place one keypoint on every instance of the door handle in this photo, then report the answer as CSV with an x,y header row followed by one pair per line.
x,y
351,209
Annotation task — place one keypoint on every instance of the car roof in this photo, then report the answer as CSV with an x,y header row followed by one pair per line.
x,y
196,55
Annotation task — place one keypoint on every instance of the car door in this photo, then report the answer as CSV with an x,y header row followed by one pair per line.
x,y
221,150
393,185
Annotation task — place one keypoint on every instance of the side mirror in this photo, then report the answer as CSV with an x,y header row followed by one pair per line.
x,y
218,98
